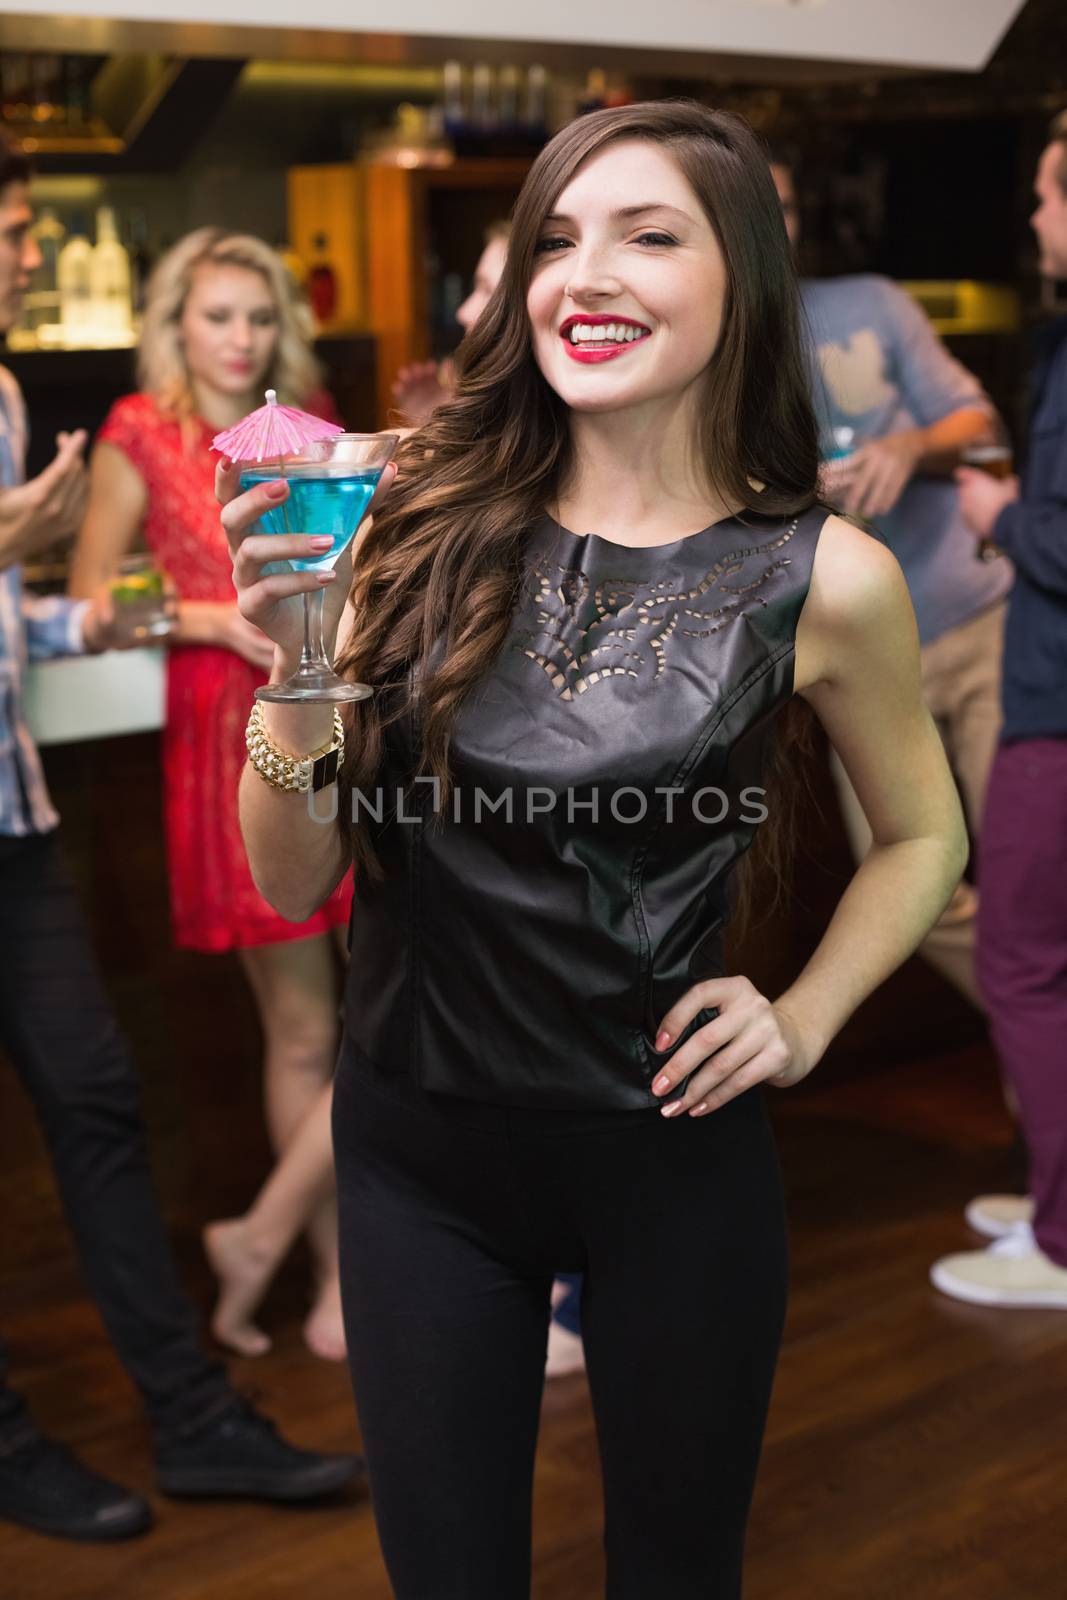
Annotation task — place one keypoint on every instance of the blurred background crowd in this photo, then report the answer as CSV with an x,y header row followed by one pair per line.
x,y
184,230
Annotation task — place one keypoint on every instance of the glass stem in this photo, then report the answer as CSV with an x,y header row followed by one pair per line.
x,y
314,653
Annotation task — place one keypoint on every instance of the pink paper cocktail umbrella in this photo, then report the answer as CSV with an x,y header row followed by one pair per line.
x,y
273,432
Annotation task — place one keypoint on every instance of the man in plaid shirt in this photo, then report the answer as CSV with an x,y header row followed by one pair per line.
x,y
58,1031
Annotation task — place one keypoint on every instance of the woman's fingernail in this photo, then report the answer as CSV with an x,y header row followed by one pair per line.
x,y
698,1111
326,577
276,489
321,541
672,1110
663,1039
662,1084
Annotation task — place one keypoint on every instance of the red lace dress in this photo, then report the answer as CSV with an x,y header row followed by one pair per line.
x,y
214,903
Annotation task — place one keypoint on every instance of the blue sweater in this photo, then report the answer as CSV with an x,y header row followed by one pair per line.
x,y
880,367
1033,532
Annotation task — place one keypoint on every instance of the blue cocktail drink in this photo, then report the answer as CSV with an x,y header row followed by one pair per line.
x,y
330,488
319,502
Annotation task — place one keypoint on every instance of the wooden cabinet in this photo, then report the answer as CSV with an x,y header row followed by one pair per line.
x,y
327,202
396,236
422,225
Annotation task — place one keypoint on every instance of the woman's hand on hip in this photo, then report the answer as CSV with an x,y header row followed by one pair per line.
x,y
751,1041
269,595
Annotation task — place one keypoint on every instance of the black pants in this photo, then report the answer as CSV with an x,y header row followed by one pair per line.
x,y
58,1029
454,1217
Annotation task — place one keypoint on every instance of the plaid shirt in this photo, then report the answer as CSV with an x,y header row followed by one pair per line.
x,y
31,629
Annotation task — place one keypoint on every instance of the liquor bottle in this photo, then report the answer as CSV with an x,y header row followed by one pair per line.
x,y
593,96
78,77
42,300
508,100
73,272
140,259
453,294
14,86
45,72
455,115
109,276
483,110
535,115
322,281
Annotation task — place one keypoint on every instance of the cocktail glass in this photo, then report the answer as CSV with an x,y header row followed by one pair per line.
x,y
330,487
992,453
146,607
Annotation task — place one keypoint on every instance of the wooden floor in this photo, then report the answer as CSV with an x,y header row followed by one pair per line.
x,y
915,1448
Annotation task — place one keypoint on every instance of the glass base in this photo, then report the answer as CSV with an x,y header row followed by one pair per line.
x,y
312,683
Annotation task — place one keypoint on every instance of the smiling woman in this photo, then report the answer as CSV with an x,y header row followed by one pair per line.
x,y
599,578
709,231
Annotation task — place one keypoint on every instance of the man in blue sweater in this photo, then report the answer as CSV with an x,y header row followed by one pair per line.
x,y
1022,931
899,409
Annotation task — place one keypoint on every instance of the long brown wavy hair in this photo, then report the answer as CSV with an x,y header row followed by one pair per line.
x,y
439,571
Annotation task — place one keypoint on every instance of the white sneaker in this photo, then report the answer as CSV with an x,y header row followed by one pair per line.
x,y
1011,1272
996,1215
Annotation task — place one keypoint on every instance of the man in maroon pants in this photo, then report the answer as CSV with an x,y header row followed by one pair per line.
x,y
1022,925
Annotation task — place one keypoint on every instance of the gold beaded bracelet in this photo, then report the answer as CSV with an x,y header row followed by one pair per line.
x,y
294,774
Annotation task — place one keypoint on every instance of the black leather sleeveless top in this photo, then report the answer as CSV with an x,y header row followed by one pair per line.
x,y
527,940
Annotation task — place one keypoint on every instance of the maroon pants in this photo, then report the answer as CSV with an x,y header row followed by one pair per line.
x,y
1022,958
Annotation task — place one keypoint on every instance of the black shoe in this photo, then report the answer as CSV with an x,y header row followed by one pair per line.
x,y
44,1487
239,1454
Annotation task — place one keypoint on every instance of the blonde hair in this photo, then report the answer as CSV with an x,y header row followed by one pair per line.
x,y
161,367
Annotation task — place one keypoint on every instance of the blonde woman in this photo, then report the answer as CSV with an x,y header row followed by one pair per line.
x,y
220,326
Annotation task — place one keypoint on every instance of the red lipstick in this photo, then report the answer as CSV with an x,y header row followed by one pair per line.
x,y
590,351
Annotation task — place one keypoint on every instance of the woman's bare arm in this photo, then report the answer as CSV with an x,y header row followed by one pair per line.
x,y
118,500
296,861
857,665
118,503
